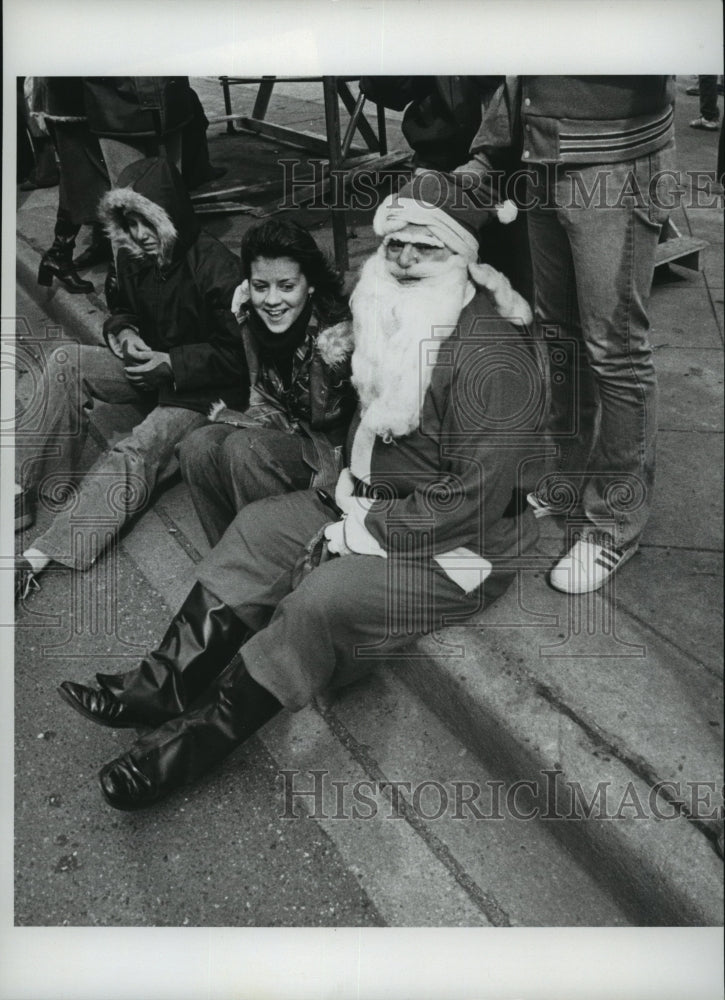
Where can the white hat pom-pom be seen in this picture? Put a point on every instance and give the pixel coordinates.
(506, 212)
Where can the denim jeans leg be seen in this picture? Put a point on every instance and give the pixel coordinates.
(200, 461)
(227, 468)
(574, 396)
(613, 249)
(118, 486)
(51, 430)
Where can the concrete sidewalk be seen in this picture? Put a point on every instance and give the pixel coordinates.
(611, 704)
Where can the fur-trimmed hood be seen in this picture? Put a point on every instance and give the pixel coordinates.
(153, 188)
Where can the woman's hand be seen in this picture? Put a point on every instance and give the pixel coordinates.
(240, 299)
(150, 369)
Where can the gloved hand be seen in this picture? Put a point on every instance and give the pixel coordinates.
(133, 347)
(150, 369)
(335, 535)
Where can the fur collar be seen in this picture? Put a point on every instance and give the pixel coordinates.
(112, 212)
(335, 343)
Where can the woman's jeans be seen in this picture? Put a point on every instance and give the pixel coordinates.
(50, 437)
(594, 232)
(227, 468)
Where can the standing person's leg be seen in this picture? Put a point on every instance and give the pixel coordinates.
(574, 396)
(57, 261)
(119, 153)
(708, 98)
(227, 468)
(85, 182)
(118, 486)
(613, 249)
(170, 147)
(709, 112)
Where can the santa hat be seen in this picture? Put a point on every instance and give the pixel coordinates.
(452, 212)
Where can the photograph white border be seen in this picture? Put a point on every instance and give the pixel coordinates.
(309, 37)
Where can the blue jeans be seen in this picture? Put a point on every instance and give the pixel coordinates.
(227, 468)
(50, 439)
(593, 253)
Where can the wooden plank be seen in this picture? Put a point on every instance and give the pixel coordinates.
(332, 127)
(264, 95)
(368, 164)
(355, 110)
(228, 208)
(243, 190)
(682, 250)
(313, 142)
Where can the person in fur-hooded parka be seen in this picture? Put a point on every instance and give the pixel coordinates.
(178, 300)
(175, 347)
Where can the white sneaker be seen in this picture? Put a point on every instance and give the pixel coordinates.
(587, 566)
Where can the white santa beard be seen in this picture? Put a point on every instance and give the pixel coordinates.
(398, 331)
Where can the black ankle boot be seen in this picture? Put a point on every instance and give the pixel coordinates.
(57, 262)
(183, 749)
(98, 250)
(202, 638)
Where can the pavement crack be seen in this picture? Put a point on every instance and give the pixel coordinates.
(483, 900)
(636, 763)
(178, 534)
(643, 623)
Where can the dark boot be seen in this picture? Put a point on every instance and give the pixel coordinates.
(110, 286)
(57, 262)
(98, 250)
(202, 638)
(183, 749)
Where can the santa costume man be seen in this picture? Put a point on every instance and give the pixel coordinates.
(426, 525)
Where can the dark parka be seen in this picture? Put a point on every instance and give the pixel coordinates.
(179, 301)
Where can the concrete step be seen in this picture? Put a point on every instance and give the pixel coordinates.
(483, 866)
(534, 706)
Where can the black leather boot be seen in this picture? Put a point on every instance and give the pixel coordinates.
(57, 262)
(183, 749)
(202, 638)
(98, 250)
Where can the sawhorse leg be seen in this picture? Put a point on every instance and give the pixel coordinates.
(339, 215)
(224, 80)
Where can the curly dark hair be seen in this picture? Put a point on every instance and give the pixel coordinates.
(283, 238)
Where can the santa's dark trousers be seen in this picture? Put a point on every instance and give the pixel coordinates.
(328, 629)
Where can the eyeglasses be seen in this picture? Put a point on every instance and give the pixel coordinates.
(421, 250)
